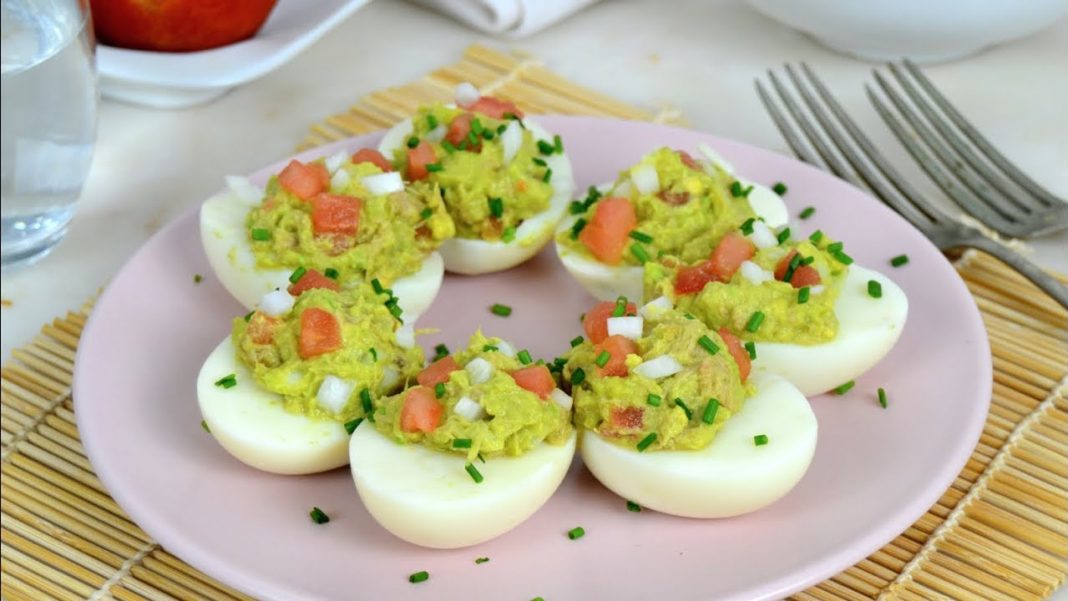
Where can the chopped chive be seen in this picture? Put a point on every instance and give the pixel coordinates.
(412, 142)
(760, 440)
(431, 121)
(374, 353)
(524, 357)
(474, 473)
(844, 388)
(815, 237)
(509, 234)
(632, 506)
(496, 207)
(899, 260)
(350, 427)
(654, 399)
(418, 577)
(842, 258)
(377, 286)
(448, 146)
(639, 252)
(882, 398)
(396, 311)
(540, 162)
(808, 260)
(791, 267)
(558, 144)
(750, 347)
(197, 278)
(365, 401)
(641, 236)
(577, 340)
(433, 167)
(501, 310)
(227, 381)
(440, 351)
(603, 358)
(807, 212)
(471, 140)
(260, 234)
(645, 442)
(779, 188)
(439, 389)
(481, 560)
(875, 289)
(747, 226)
(488, 348)
(487, 134)
(577, 376)
(803, 294)
(318, 516)
(249, 315)
(576, 533)
(501, 128)
(685, 408)
(577, 207)
(577, 228)
(476, 126)
(783, 236)
(204, 424)
(621, 306)
(755, 320)
(481, 458)
(736, 189)
(689, 316)
(461, 443)
(711, 409)
(548, 175)
(297, 274)
(545, 147)
(707, 344)
(834, 247)
(331, 273)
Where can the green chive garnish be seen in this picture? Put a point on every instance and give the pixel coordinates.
(474, 473)
(603, 358)
(834, 247)
(227, 381)
(297, 274)
(791, 267)
(807, 212)
(558, 144)
(377, 286)
(621, 307)
(476, 126)
(482, 560)
(540, 162)
(803, 294)
(496, 207)
(197, 278)
(750, 347)
(331, 273)
(685, 408)
(755, 320)
(471, 140)
(374, 353)
(418, 577)
(318, 516)
(501, 310)
(736, 189)
(524, 357)
(548, 175)
(431, 121)
(488, 348)
(632, 506)
(641, 236)
(654, 399)
(440, 351)
(481, 458)
(395, 311)
(412, 142)
(779, 188)
(844, 388)
(461, 443)
(365, 401)
(645, 442)
(448, 146)
(816, 237)
(439, 389)
(487, 134)
(747, 226)
(509, 234)
(577, 340)
(707, 344)
(842, 258)
(501, 128)
(576, 229)
(760, 440)
(204, 424)
(545, 147)
(882, 398)
(875, 289)
(639, 252)
(899, 260)
(577, 207)
(577, 376)
(249, 315)
(711, 409)
(784, 235)
(350, 427)
(261, 234)
(576, 532)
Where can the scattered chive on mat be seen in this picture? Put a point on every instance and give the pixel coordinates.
(1000, 531)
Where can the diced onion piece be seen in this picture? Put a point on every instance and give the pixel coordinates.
(466, 94)
(714, 158)
(339, 181)
(381, 184)
(755, 273)
(762, 235)
(436, 135)
(628, 327)
(506, 347)
(244, 190)
(335, 161)
(511, 140)
(334, 392)
(390, 378)
(654, 308)
(276, 302)
(661, 367)
(479, 370)
(645, 179)
(818, 288)
(469, 409)
(405, 335)
(562, 398)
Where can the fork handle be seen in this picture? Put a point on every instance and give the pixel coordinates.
(1026, 268)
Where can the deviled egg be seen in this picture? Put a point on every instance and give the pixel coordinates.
(505, 180)
(349, 217)
(474, 449)
(280, 392)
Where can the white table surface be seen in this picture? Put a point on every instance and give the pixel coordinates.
(701, 57)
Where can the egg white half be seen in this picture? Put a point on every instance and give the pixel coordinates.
(867, 329)
(426, 497)
(472, 256)
(253, 426)
(729, 477)
(225, 239)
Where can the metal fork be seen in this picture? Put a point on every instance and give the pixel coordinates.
(864, 164)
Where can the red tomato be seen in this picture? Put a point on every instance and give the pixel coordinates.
(320, 333)
(418, 158)
(459, 128)
(438, 371)
(606, 233)
(535, 378)
(335, 214)
(741, 356)
(693, 279)
(370, 155)
(304, 180)
(596, 320)
(618, 347)
(732, 250)
(804, 275)
(688, 160)
(312, 279)
(421, 411)
(495, 108)
(261, 328)
(627, 418)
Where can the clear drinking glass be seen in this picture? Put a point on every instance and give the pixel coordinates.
(50, 97)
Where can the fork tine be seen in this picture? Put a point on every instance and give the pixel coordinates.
(801, 150)
(982, 206)
(979, 140)
(903, 199)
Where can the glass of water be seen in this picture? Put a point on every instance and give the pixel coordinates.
(49, 122)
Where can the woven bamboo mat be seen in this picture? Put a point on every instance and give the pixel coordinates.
(999, 532)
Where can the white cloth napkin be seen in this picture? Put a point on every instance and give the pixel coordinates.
(511, 18)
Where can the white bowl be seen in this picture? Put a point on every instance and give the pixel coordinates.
(922, 30)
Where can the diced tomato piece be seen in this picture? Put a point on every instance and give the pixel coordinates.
(304, 179)
(688, 160)
(741, 356)
(606, 233)
(421, 411)
(320, 333)
(536, 378)
(627, 418)
(438, 371)
(370, 155)
(804, 275)
(596, 320)
(732, 250)
(690, 280)
(261, 328)
(335, 214)
(459, 128)
(494, 107)
(418, 158)
(312, 279)
(673, 198)
(618, 347)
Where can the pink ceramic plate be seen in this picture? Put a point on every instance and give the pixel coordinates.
(875, 471)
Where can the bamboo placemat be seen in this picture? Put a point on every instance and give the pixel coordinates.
(999, 532)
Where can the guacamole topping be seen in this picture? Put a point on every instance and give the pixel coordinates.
(367, 356)
(685, 217)
(487, 197)
(395, 232)
(628, 409)
(513, 420)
